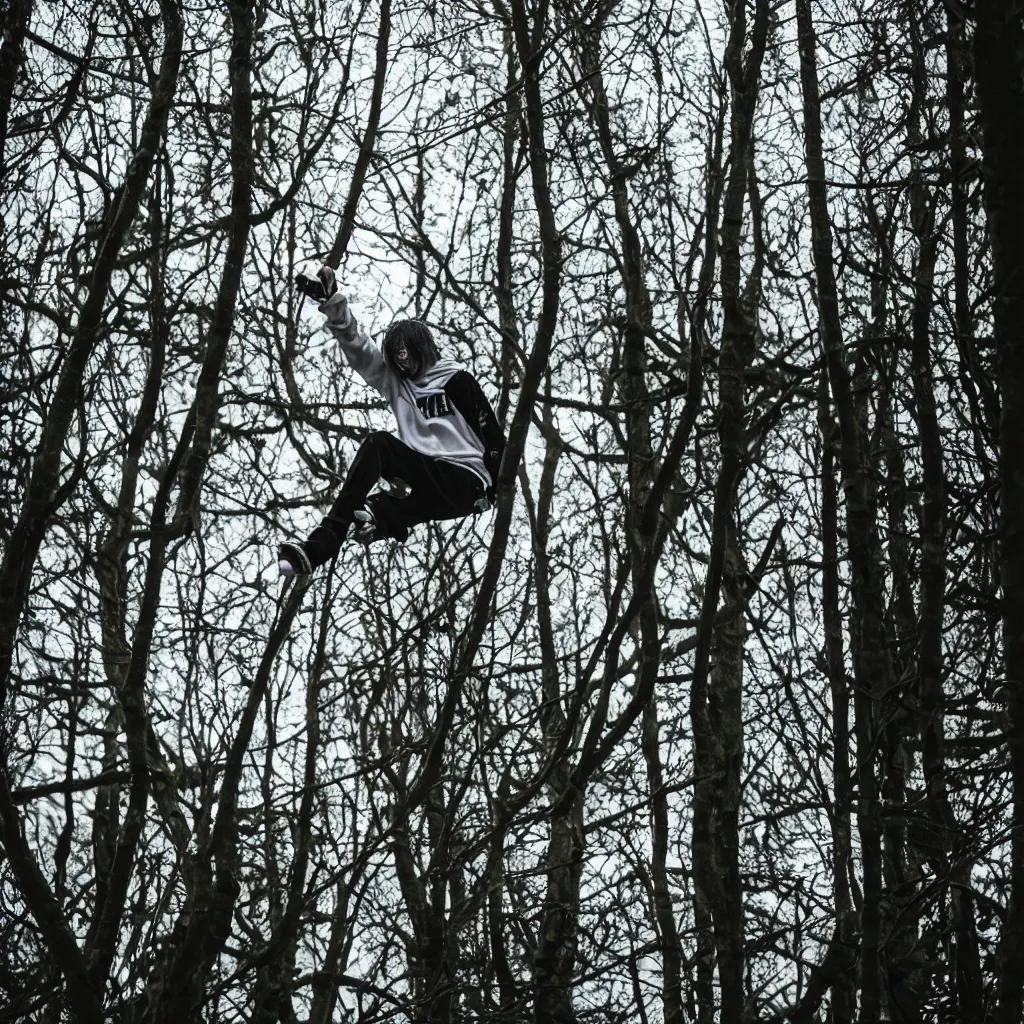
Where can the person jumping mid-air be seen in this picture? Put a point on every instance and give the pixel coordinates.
(444, 463)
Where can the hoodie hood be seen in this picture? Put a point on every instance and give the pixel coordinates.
(437, 375)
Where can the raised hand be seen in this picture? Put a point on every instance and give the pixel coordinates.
(319, 288)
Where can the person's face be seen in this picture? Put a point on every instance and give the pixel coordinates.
(403, 359)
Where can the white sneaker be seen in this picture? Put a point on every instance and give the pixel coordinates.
(293, 560)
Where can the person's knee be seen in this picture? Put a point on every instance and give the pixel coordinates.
(379, 439)
(372, 444)
(383, 450)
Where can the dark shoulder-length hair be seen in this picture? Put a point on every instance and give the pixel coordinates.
(418, 341)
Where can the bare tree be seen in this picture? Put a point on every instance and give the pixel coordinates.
(699, 723)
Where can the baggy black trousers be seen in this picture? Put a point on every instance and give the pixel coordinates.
(438, 490)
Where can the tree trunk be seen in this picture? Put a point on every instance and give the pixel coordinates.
(664, 913)
(13, 23)
(843, 998)
(555, 957)
(868, 635)
(716, 709)
(999, 67)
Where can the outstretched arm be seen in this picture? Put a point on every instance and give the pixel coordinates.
(465, 394)
(363, 356)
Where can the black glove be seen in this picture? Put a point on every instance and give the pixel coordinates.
(319, 288)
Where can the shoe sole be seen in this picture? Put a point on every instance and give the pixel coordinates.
(296, 557)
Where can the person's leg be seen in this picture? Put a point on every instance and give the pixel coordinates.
(377, 457)
(437, 490)
(434, 490)
(380, 456)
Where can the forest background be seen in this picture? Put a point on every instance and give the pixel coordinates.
(718, 715)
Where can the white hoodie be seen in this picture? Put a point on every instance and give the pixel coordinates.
(427, 421)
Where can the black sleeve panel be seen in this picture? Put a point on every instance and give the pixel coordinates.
(464, 393)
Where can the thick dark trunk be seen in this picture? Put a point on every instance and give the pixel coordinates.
(325, 979)
(999, 68)
(664, 914)
(725, 717)
(917, 635)
(13, 23)
(206, 405)
(511, 143)
(868, 645)
(430, 965)
(716, 696)
(555, 958)
(843, 994)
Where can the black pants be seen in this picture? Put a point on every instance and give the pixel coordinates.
(438, 490)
